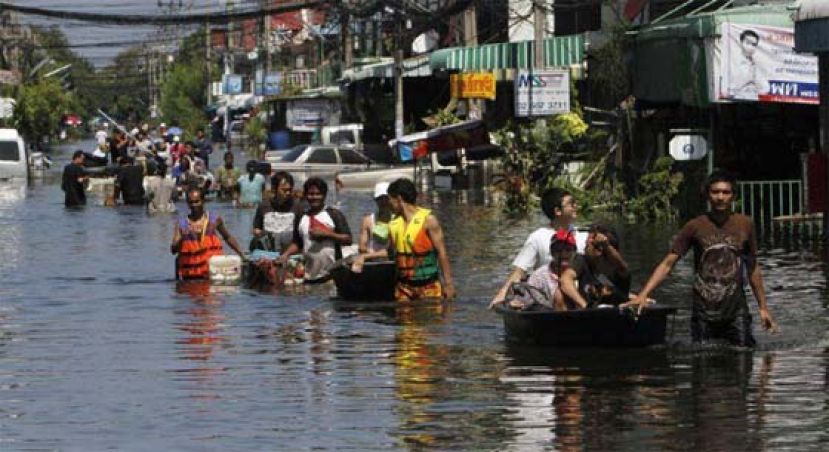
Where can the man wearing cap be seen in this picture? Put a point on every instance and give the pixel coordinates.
(374, 230)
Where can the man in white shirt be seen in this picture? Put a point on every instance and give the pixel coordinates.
(560, 208)
(101, 135)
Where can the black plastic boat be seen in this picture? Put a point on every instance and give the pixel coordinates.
(375, 283)
(596, 327)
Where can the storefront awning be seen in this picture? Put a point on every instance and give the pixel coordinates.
(412, 67)
(558, 51)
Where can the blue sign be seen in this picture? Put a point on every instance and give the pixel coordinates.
(232, 84)
(406, 153)
(271, 86)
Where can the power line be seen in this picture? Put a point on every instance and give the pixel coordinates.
(145, 19)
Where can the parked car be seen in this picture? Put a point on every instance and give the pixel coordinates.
(309, 160)
(237, 132)
(13, 160)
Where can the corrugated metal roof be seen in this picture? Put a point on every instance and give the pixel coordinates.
(558, 51)
(812, 9)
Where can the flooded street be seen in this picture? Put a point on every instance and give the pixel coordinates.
(100, 349)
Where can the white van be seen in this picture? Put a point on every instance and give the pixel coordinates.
(13, 161)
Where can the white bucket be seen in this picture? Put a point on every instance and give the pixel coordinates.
(225, 269)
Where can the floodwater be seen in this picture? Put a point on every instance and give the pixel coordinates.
(100, 349)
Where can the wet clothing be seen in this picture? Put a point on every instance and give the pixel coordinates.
(408, 292)
(203, 149)
(73, 190)
(725, 252)
(117, 149)
(278, 221)
(197, 247)
(536, 250)
(593, 282)
(414, 252)
(250, 191)
(226, 179)
(130, 180)
(379, 238)
(159, 192)
(320, 255)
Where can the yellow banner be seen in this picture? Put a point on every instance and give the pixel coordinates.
(472, 85)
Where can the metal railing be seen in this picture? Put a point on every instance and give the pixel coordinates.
(775, 205)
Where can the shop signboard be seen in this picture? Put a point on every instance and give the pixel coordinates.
(309, 115)
(758, 63)
(542, 92)
(472, 85)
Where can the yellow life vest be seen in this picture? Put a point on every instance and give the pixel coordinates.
(414, 251)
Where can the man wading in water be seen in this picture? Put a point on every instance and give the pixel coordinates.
(195, 240)
(725, 251)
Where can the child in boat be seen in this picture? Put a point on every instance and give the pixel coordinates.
(542, 287)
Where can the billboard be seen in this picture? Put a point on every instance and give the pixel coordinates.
(758, 63)
(542, 93)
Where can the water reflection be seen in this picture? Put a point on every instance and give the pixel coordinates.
(419, 369)
(202, 323)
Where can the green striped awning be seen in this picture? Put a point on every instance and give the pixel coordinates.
(558, 51)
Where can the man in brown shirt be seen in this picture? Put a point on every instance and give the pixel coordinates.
(725, 253)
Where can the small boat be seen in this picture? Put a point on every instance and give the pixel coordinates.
(597, 327)
(375, 283)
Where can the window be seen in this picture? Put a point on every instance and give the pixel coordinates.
(9, 151)
(323, 155)
(294, 153)
(350, 156)
(342, 137)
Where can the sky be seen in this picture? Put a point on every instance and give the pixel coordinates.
(86, 32)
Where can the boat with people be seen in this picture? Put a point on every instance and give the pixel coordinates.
(609, 326)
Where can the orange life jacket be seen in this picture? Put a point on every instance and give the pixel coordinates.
(197, 247)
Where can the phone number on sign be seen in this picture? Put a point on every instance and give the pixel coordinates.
(544, 105)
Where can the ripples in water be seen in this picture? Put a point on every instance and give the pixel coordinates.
(100, 348)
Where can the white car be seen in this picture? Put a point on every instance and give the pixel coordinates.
(317, 160)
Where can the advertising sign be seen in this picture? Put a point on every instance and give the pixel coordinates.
(542, 93)
(310, 114)
(758, 63)
(232, 84)
(472, 85)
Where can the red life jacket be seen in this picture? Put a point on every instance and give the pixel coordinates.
(197, 247)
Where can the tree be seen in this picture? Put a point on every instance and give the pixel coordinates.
(39, 109)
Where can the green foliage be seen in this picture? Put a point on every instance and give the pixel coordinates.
(256, 132)
(39, 108)
(183, 97)
(534, 155)
(85, 95)
(657, 191)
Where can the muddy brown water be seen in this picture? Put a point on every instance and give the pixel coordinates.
(101, 349)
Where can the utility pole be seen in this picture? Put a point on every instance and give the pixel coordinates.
(208, 66)
(398, 79)
(267, 40)
(345, 32)
(475, 107)
(539, 30)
